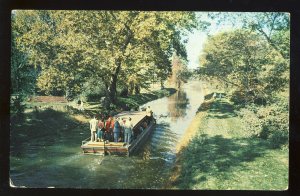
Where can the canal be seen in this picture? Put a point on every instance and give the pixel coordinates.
(58, 162)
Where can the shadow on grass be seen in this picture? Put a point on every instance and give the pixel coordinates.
(221, 109)
(216, 156)
(38, 125)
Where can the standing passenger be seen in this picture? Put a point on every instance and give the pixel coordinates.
(149, 114)
(128, 131)
(111, 128)
(123, 122)
(116, 130)
(107, 129)
(93, 127)
(100, 130)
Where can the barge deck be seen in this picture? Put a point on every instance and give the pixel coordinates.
(121, 148)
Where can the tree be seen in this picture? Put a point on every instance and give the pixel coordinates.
(69, 46)
(46, 48)
(149, 39)
(247, 62)
(23, 74)
(180, 72)
(274, 27)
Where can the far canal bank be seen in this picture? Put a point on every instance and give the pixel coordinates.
(90, 108)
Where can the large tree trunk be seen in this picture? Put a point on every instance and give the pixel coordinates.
(178, 84)
(131, 88)
(137, 89)
(112, 89)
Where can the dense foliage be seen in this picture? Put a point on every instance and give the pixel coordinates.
(267, 122)
(245, 61)
(253, 62)
(129, 49)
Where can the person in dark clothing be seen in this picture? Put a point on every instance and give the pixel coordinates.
(117, 130)
(108, 134)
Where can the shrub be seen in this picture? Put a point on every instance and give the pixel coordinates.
(239, 98)
(94, 96)
(242, 98)
(252, 123)
(17, 106)
(267, 122)
(279, 139)
(276, 126)
(93, 90)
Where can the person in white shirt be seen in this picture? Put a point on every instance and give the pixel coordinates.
(81, 106)
(149, 114)
(128, 131)
(93, 128)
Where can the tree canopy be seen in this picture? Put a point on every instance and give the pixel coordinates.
(253, 59)
(126, 48)
(180, 73)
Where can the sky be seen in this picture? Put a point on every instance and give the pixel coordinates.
(194, 48)
(197, 38)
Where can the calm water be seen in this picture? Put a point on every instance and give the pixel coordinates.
(59, 162)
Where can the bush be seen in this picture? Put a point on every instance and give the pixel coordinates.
(93, 90)
(279, 139)
(252, 123)
(239, 98)
(94, 96)
(267, 122)
(242, 98)
(275, 127)
(17, 106)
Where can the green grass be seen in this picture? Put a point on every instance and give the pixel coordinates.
(220, 157)
(38, 124)
(140, 99)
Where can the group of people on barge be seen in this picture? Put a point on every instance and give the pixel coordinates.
(114, 129)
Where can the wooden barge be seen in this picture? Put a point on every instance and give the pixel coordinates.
(121, 148)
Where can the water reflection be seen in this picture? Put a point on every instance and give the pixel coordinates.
(177, 105)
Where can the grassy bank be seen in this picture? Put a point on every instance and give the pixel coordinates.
(45, 123)
(134, 101)
(220, 156)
